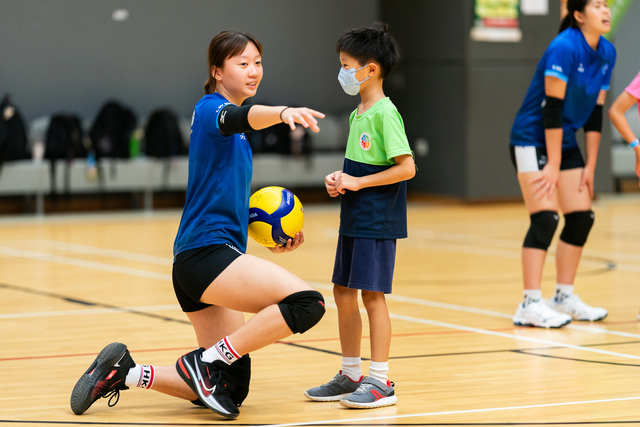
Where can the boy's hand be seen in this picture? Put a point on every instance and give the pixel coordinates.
(346, 182)
(330, 183)
(292, 244)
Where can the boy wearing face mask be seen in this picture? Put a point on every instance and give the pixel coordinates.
(373, 214)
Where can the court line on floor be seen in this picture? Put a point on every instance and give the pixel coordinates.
(434, 235)
(143, 309)
(509, 244)
(497, 334)
(166, 277)
(465, 411)
(58, 259)
(105, 252)
(473, 310)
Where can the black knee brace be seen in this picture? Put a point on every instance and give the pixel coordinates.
(541, 231)
(237, 378)
(576, 227)
(302, 310)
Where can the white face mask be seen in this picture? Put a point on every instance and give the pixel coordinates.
(348, 81)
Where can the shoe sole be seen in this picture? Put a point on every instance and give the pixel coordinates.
(188, 375)
(592, 320)
(385, 401)
(336, 398)
(81, 395)
(517, 323)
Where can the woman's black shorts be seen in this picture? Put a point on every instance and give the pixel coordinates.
(533, 159)
(195, 269)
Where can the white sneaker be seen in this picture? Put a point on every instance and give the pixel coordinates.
(540, 315)
(574, 307)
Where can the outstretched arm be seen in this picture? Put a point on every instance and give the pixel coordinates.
(233, 119)
(262, 116)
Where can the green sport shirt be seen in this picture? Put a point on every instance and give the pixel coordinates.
(377, 135)
(375, 138)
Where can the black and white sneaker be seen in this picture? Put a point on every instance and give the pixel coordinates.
(104, 378)
(207, 380)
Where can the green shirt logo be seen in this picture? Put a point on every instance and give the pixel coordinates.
(365, 141)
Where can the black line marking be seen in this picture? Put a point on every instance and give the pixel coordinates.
(292, 344)
(186, 322)
(89, 303)
(574, 359)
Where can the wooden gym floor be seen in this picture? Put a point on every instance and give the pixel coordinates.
(71, 284)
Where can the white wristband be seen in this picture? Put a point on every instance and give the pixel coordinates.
(634, 143)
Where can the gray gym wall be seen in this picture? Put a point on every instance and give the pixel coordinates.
(69, 55)
(462, 96)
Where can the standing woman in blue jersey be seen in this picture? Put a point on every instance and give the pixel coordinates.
(214, 280)
(567, 93)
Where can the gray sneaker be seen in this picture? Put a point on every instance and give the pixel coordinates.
(371, 394)
(340, 386)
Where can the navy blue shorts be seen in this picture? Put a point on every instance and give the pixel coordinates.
(195, 269)
(365, 264)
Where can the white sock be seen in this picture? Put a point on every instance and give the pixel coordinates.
(352, 368)
(563, 291)
(378, 371)
(222, 351)
(531, 295)
(141, 376)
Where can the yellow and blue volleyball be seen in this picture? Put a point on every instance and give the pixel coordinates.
(275, 216)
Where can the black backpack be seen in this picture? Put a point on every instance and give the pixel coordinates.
(64, 140)
(162, 136)
(111, 131)
(13, 133)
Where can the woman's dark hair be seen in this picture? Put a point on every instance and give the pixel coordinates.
(226, 45)
(371, 44)
(570, 19)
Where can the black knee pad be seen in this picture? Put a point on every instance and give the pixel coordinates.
(302, 310)
(543, 227)
(237, 379)
(576, 227)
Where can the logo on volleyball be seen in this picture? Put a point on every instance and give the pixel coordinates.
(365, 141)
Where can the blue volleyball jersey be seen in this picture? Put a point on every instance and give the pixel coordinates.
(586, 71)
(220, 168)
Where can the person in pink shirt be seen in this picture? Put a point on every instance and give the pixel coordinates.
(630, 96)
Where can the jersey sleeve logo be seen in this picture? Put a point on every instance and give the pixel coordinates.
(365, 141)
(605, 68)
(556, 68)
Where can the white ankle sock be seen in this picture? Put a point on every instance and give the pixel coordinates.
(141, 376)
(352, 368)
(222, 351)
(531, 295)
(378, 371)
(563, 291)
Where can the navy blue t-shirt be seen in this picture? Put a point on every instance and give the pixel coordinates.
(586, 71)
(378, 212)
(220, 168)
